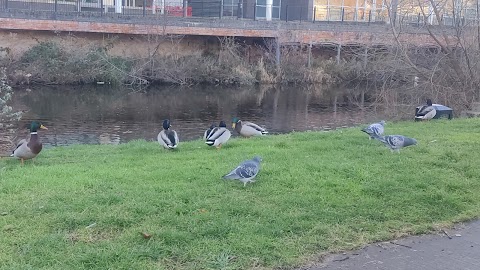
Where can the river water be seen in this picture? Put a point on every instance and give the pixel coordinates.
(109, 115)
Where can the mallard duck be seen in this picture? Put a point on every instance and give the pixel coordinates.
(426, 112)
(28, 149)
(247, 129)
(208, 132)
(167, 137)
(374, 129)
(219, 135)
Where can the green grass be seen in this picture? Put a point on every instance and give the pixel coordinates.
(317, 192)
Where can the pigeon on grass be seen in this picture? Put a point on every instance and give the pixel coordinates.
(374, 129)
(396, 142)
(246, 171)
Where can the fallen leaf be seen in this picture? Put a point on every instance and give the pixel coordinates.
(146, 235)
(8, 228)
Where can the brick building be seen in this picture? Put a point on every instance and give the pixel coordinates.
(306, 10)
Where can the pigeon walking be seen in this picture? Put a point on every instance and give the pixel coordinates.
(396, 142)
(246, 171)
(374, 129)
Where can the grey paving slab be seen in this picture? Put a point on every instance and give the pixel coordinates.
(460, 250)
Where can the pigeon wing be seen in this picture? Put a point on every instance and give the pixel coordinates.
(393, 142)
(376, 129)
(247, 169)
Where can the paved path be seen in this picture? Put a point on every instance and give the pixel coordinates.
(460, 250)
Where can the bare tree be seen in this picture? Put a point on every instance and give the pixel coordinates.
(451, 70)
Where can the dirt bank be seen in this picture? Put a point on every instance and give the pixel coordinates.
(18, 42)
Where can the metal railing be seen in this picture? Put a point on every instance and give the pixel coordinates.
(349, 14)
(177, 8)
(98, 7)
(154, 9)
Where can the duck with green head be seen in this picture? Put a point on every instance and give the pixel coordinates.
(168, 137)
(247, 129)
(28, 149)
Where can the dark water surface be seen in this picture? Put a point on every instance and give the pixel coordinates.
(108, 115)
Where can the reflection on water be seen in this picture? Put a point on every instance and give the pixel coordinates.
(103, 115)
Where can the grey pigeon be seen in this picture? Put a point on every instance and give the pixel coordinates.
(396, 142)
(374, 129)
(246, 171)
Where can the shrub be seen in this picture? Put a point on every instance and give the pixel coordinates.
(7, 115)
(52, 63)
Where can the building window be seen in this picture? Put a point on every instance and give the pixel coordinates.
(230, 8)
(268, 9)
(349, 10)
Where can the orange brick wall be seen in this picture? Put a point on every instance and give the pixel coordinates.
(117, 28)
(374, 35)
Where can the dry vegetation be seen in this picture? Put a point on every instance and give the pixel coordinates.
(8, 116)
(58, 63)
(447, 71)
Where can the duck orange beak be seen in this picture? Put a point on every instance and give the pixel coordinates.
(43, 127)
(233, 125)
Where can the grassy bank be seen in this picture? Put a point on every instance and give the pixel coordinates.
(85, 207)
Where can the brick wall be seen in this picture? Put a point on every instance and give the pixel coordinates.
(346, 34)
